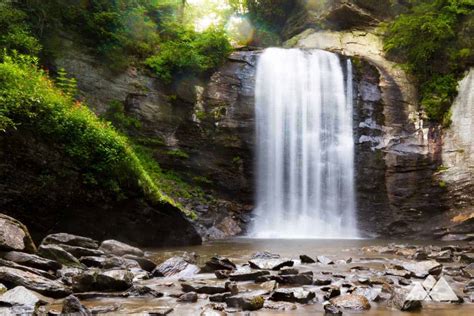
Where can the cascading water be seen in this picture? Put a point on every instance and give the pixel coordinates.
(305, 147)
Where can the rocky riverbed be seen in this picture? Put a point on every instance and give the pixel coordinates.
(69, 274)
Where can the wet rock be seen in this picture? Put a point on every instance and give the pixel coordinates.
(293, 295)
(56, 253)
(177, 267)
(325, 260)
(114, 262)
(145, 264)
(220, 297)
(218, 263)
(322, 281)
(247, 276)
(231, 287)
(14, 235)
(92, 261)
(104, 281)
(404, 282)
(246, 301)
(331, 291)
(270, 264)
(467, 258)
(469, 270)
(72, 305)
(203, 288)
(21, 301)
(398, 272)
(11, 264)
(212, 312)
(401, 300)
(305, 278)
(3, 288)
(352, 302)
(306, 259)
(67, 273)
(189, 297)
(78, 252)
(265, 255)
(287, 271)
(420, 255)
(34, 282)
(33, 261)
(469, 287)
(118, 248)
(442, 256)
(143, 291)
(371, 293)
(71, 240)
(422, 269)
(222, 274)
(331, 309)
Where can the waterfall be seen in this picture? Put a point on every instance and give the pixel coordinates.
(305, 147)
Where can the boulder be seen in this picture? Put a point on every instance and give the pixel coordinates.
(78, 252)
(331, 291)
(331, 309)
(401, 300)
(114, 280)
(189, 297)
(72, 306)
(270, 264)
(352, 302)
(247, 276)
(14, 235)
(22, 301)
(222, 274)
(3, 288)
(67, 273)
(422, 269)
(246, 301)
(143, 291)
(220, 297)
(287, 271)
(293, 295)
(56, 253)
(325, 260)
(203, 288)
(176, 267)
(14, 265)
(371, 293)
(306, 259)
(145, 264)
(15, 277)
(218, 263)
(265, 255)
(305, 278)
(71, 240)
(31, 260)
(118, 248)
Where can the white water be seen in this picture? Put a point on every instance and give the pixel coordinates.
(305, 147)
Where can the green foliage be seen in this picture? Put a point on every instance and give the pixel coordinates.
(104, 158)
(178, 154)
(189, 52)
(433, 47)
(15, 32)
(119, 118)
(67, 84)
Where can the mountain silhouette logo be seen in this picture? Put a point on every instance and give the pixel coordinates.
(432, 290)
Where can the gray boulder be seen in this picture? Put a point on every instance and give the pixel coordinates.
(293, 295)
(114, 280)
(118, 248)
(71, 240)
(247, 301)
(31, 260)
(270, 264)
(72, 306)
(33, 282)
(14, 235)
(22, 301)
(351, 302)
(176, 267)
(56, 253)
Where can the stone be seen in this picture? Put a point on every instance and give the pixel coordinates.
(398, 272)
(247, 276)
(92, 261)
(231, 287)
(401, 300)
(203, 288)
(143, 291)
(467, 258)
(305, 278)
(331, 291)
(145, 264)
(118, 248)
(115, 262)
(189, 297)
(442, 256)
(306, 259)
(420, 255)
(222, 274)
(246, 301)
(351, 302)
(72, 305)
(422, 269)
(31, 260)
(71, 240)
(34, 282)
(265, 255)
(286, 271)
(3, 288)
(325, 260)
(220, 297)
(218, 263)
(293, 295)
(114, 280)
(469, 269)
(78, 252)
(67, 273)
(371, 293)
(11, 264)
(322, 281)
(270, 264)
(22, 301)
(177, 267)
(331, 309)
(14, 235)
(56, 253)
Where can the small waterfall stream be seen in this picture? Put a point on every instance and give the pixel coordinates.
(305, 147)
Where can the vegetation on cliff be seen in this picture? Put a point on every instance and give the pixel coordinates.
(435, 42)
